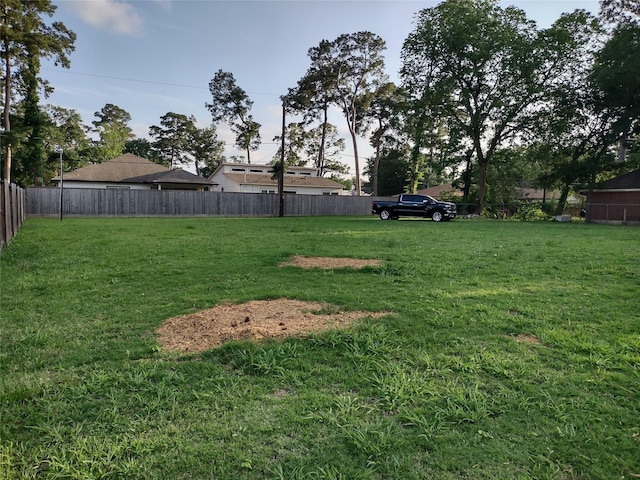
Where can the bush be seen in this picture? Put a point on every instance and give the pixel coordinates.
(531, 212)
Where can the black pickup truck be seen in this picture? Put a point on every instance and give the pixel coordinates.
(412, 205)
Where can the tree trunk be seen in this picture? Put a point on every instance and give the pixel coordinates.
(622, 145)
(482, 186)
(323, 137)
(467, 177)
(356, 161)
(376, 164)
(351, 123)
(562, 201)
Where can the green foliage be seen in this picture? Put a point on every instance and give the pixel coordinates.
(26, 40)
(530, 212)
(616, 73)
(393, 172)
(172, 138)
(206, 150)
(112, 126)
(482, 75)
(511, 350)
(344, 73)
(231, 104)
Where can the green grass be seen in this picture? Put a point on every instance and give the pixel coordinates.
(441, 389)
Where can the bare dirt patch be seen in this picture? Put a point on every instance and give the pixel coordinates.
(329, 262)
(255, 320)
(530, 339)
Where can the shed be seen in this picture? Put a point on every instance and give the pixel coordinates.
(616, 200)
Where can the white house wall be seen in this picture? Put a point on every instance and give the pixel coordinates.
(248, 172)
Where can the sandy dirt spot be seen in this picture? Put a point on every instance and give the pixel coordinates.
(255, 320)
(530, 339)
(261, 319)
(329, 262)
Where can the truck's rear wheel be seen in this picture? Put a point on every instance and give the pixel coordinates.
(385, 214)
(437, 216)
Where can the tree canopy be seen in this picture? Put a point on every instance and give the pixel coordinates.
(487, 70)
(232, 105)
(25, 39)
(112, 125)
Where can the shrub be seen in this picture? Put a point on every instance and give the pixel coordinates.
(531, 212)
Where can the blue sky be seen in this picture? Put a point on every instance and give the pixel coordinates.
(151, 57)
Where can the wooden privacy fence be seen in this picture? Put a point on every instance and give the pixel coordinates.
(12, 211)
(45, 201)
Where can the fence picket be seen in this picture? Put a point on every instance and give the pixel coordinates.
(12, 211)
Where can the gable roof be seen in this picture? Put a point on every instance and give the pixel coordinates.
(626, 181)
(171, 176)
(289, 180)
(129, 168)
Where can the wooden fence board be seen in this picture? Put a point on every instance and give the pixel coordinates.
(12, 211)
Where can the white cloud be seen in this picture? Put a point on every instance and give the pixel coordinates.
(111, 15)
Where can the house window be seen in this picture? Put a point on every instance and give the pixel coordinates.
(267, 191)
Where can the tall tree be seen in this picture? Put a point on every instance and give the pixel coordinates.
(487, 69)
(315, 93)
(34, 120)
(381, 117)
(358, 66)
(616, 74)
(25, 38)
(232, 105)
(575, 132)
(172, 137)
(112, 126)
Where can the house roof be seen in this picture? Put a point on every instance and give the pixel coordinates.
(626, 181)
(129, 168)
(171, 176)
(289, 180)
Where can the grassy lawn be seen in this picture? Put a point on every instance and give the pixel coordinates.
(513, 351)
